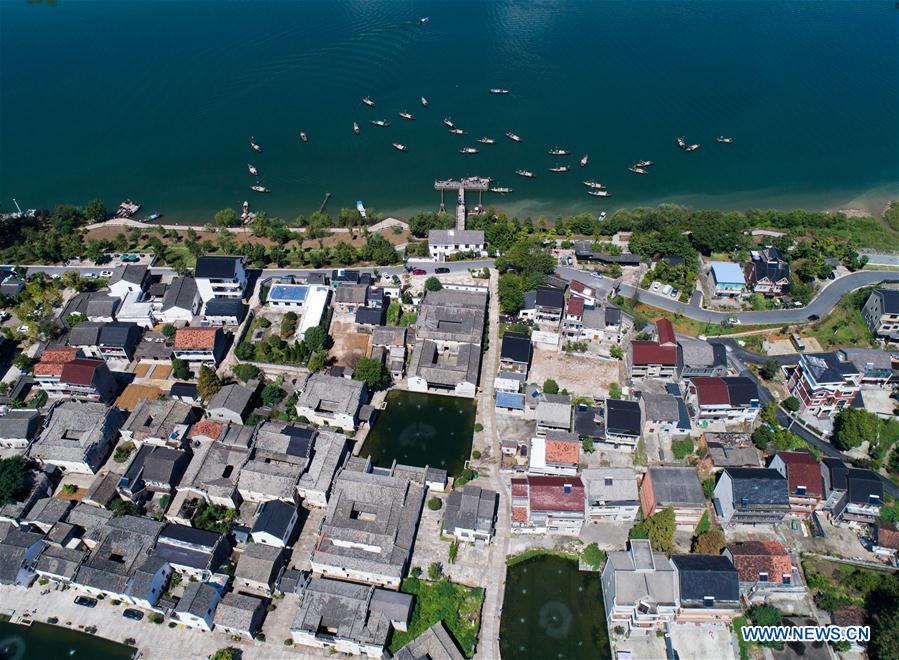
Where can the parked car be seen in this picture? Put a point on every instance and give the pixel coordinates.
(441, 270)
(814, 317)
(419, 271)
(134, 615)
(570, 260)
(656, 286)
(85, 601)
(106, 273)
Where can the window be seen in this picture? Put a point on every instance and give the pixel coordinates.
(874, 499)
(708, 601)
(786, 578)
(744, 501)
(800, 490)
(607, 481)
(763, 577)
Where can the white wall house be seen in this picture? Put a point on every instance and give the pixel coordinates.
(444, 242)
(220, 277)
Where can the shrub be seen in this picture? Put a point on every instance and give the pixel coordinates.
(434, 504)
(476, 454)
(478, 427)
(791, 404)
(593, 556)
(682, 448)
(288, 642)
(415, 572)
(710, 543)
(453, 551)
(435, 571)
(245, 372)
(156, 618)
(122, 452)
(70, 489)
(550, 386)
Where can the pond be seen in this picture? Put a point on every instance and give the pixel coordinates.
(422, 429)
(41, 640)
(553, 610)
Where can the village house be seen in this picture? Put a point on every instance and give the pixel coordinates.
(274, 523)
(196, 608)
(515, 353)
(435, 643)
(824, 384)
(331, 401)
(164, 423)
(666, 414)
(180, 302)
(220, 452)
(199, 346)
(881, 313)
(259, 568)
(674, 487)
(639, 587)
(696, 357)
(128, 278)
(240, 615)
(78, 436)
(584, 292)
(612, 494)
(106, 341)
(232, 403)
(623, 423)
(470, 514)
(763, 567)
(19, 552)
(727, 279)
(18, 428)
(731, 399)
(886, 539)
(751, 496)
(197, 552)
(224, 311)
(280, 455)
(547, 504)
(153, 469)
(349, 618)
(369, 528)
(852, 494)
(220, 277)
(766, 272)
(557, 452)
(445, 242)
(729, 450)
(553, 413)
(708, 589)
(655, 359)
(550, 302)
(803, 474)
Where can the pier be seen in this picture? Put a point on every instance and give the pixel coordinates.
(473, 183)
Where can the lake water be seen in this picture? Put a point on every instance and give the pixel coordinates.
(553, 610)
(40, 640)
(422, 429)
(157, 100)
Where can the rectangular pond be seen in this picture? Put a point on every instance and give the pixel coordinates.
(553, 610)
(422, 429)
(41, 640)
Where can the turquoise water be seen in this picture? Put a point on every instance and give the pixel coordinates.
(156, 100)
(41, 641)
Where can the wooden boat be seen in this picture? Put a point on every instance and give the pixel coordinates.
(367, 101)
(260, 189)
(513, 137)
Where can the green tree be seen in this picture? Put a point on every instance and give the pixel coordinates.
(434, 504)
(766, 615)
(435, 571)
(95, 211)
(550, 386)
(433, 284)
(315, 338)
(853, 426)
(593, 556)
(770, 370)
(12, 478)
(168, 330)
(511, 293)
(710, 543)
(120, 507)
(660, 529)
(614, 391)
(884, 643)
(394, 311)
(226, 218)
(208, 383)
(616, 352)
(791, 403)
(244, 372)
(226, 653)
(180, 370)
(272, 395)
(373, 372)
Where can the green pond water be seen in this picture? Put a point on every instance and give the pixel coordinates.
(40, 641)
(422, 429)
(553, 610)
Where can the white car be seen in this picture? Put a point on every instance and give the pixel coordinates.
(106, 273)
(22, 328)
(656, 286)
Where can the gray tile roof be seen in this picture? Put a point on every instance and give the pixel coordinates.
(131, 273)
(759, 486)
(19, 424)
(153, 418)
(435, 643)
(77, 431)
(48, 511)
(351, 294)
(337, 395)
(471, 508)
(260, 563)
(274, 517)
(448, 368)
(642, 575)
(234, 398)
(13, 549)
(180, 294)
(454, 316)
(126, 543)
(455, 237)
(610, 486)
(674, 485)
(327, 450)
(660, 407)
(239, 611)
(198, 598)
(63, 562)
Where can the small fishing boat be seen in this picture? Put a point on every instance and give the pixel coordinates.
(513, 137)
(252, 169)
(361, 208)
(599, 193)
(448, 122)
(682, 142)
(154, 216)
(304, 137)
(525, 173)
(555, 151)
(585, 160)
(498, 90)
(424, 102)
(644, 163)
(559, 168)
(594, 184)
(423, 20)
(601, 216)
(486, 140)
(457, 131)
(356, 128)
(501, 190)
(367, 101)
(379, 122)
(260, 189)
(407, 115)
(253, 145)
(400, 147)
(692, 147)
(724, 139)
(638, 170)
(468, 150)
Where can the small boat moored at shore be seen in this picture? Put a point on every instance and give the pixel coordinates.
(127, 208)
(367, 101)
(406, 115)
(260, 189)
(400, 147)
(599, 193)
(525, 173)
(513, 137)
(468, 150)
(723, 139)
(154, 216)
(379, 122)
(424, 102)
(555, 151)
(559, 168)
(361, 208)
(356, 128)
(585, 160)
(498, 90)
(253, 145)
(594, 184)
(304, 137)
(638, 170)
(501, 190)
(486, 140)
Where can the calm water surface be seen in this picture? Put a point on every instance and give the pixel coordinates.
(42, 641)
(157, 99)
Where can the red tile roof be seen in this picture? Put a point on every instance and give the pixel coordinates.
(753, 557)
(207, 428)
(711, 391)
(580, 287)
(80, 371)
(649, 352)
(887, 535)
(803, 469)
(48, 369)
(519, 487)
(562, 451)
(60, 354)
(665, 331)
(548, 494)
(519, 514)
(188, 338)
(575, 306)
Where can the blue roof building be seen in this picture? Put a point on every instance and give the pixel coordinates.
(510, 400)
(727, 278)
(288, 296)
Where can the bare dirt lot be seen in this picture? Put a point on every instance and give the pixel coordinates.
(576, 373)
(349, 345)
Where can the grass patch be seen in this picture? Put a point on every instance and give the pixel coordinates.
(689, 326)
(682, 448)
(458, 606)
(539, 552)
(739, 622)
(844, 324)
